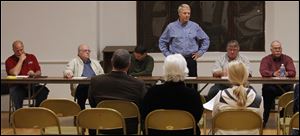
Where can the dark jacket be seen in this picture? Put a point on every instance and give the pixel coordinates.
(116, 85)
(173, 95)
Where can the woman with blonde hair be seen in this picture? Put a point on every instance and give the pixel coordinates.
(239, 96)
(173, 94)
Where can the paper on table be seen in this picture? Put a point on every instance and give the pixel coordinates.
(22, 76)
(224, 77)
(190, 77)
(79, 77)
(11, 77)
(279, 77)
(210, 104)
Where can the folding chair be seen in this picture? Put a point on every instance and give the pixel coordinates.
(35, 117)
(170, 120)
(294, 123)
(129, 111)
(31, 100)
(283, 100)
(202, 122)
(287, 115)
(237, 119)
(62, 108)
(100, 119)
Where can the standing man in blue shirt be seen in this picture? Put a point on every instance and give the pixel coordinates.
(186, 38)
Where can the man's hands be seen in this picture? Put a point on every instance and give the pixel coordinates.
(31, 73)
(195, 56)
(69, 75)
(22, 57)
(221, 73)
(34, 74)
(277, 73)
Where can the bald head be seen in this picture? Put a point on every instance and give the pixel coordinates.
(18, 48)
(276, 48)
(84, 52)
(274, 43)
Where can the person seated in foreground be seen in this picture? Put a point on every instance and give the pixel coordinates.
(117, 85)
(239, 96)
(173, 94)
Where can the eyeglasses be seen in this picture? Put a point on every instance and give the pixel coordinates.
(276, 48)
(232, 49)
(86, 50)
(19, 50)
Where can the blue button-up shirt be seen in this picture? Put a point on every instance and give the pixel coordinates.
(183, 39)
(87, 70)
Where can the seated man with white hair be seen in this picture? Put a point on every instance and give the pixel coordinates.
(173, 94)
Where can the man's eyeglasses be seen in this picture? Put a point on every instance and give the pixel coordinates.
(86, 50)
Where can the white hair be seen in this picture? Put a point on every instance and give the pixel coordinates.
(175, 68)
(182, 6)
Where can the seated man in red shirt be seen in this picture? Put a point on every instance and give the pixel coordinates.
(269, 67)
(22, 63)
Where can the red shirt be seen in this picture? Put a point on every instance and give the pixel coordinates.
(30, 63)
(269, 65)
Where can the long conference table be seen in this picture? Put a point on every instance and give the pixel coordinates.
(150, 80)
(147, 80)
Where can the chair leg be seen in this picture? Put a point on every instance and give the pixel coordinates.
(204, 123)
(11, 109)
(75, 120)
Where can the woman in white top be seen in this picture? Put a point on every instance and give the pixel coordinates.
(237, 97)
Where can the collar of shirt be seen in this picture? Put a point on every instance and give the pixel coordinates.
(236, 58)
(182, 25)
(87, 62)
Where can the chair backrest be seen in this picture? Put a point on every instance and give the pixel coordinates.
(100, 119)
(202, 122)
(237, 119)
(288, 110)
(294, 123)
(166, 119)
(129, 110)
(61, 107)
(284, 99)
(287, 115)
(34, 117)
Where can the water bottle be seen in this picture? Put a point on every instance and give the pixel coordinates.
(282, 71)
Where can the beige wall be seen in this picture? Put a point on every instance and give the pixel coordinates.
(53, 30)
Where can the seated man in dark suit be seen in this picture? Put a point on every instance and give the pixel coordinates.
(117, 84)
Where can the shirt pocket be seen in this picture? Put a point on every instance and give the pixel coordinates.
(192, 35)
(178, 38)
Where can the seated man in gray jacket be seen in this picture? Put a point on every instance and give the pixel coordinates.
(82, 66)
